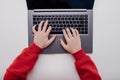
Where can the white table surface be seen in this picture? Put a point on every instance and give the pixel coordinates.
(106, 42)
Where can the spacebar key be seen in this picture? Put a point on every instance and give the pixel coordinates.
(56, 32)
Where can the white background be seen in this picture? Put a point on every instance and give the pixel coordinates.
(106, 45)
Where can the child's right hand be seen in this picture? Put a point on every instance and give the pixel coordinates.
(73, 40)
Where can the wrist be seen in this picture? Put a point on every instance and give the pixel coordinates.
(34, 48)
(38, 44)
(75, 51)
(79, 54)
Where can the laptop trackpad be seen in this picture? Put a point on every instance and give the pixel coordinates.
(55, 47)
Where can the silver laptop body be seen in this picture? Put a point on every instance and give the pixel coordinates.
(68, 17)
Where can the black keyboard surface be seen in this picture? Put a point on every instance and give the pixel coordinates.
(59, 22)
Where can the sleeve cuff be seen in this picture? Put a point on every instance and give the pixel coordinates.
(34, 48)
(79, 54)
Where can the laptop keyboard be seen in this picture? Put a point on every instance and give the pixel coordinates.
(59, 22)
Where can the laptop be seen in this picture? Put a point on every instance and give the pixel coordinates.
(62, 14)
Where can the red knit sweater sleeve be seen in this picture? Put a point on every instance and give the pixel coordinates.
(85, 66)
(23, 63)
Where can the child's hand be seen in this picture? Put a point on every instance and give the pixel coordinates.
(73, 40)
(41, 36)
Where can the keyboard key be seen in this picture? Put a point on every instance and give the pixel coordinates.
(82, 22)
(86, 22)
(86, 16)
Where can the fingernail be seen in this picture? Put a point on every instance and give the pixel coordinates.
(67, 28)
(42, 21)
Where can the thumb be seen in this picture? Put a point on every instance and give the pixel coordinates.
(51, 39)
(63, 44)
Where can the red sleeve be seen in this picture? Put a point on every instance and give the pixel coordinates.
(23, 63)
(85, 66)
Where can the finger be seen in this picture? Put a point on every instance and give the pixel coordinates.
(63, 44)
(33, 29)
(77, 32)
(65, 35)
(73, 32)
(69, 33)
(51, 39)
(78, 35)
(48, 30)
(45, 26)
(40, 25)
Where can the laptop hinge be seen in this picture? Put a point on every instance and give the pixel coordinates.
(60, 10)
